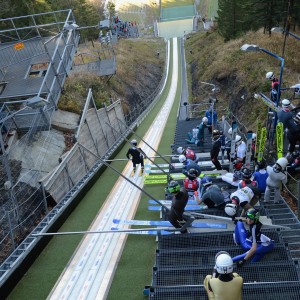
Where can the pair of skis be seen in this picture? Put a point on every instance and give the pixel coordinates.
(166, 224)
(261, 141)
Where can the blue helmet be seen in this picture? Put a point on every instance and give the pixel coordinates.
(206, 180)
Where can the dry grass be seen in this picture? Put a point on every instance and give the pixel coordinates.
(240, 73)
(139, 71)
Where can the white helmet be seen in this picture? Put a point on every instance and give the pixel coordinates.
(285, 103)
(270, 75)
(182, 158)
(230, 130)
(282, 162)
(204, 120)
(134, 142)
(180, 150)
(224, 263)
(238, 140)
(253, 136)
(230, 209)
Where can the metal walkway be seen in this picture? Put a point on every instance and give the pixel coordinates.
(183, 261)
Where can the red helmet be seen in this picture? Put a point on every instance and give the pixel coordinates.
(237, 165)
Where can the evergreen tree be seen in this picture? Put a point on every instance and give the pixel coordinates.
(230, 18)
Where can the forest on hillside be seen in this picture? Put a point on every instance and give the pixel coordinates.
(240, 16)
(86, 12)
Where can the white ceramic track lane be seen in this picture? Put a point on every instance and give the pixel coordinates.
(90, 271)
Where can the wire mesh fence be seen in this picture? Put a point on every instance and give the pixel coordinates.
(35, 192)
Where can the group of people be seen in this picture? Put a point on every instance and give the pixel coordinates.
(125, 28)
(240, 205)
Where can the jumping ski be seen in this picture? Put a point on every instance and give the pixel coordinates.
(168, 202)
(262, 143)
(248, 149)
(279, 139)
(258, 137)
(187, 208)
(167, 223)
(234, 129)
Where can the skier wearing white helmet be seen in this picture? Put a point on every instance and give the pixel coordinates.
(285, 114)
(224, 283)
(277, 175)
(241, 198)
(188, 153)
(274, 87)
(135, 155)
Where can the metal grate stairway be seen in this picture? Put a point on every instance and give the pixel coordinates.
(183, 261)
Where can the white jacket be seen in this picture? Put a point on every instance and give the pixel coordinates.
(245, 194)
(274, 178)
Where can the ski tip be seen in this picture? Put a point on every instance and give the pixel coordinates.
(116, 221)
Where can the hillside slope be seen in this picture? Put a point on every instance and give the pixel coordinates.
(239, 74)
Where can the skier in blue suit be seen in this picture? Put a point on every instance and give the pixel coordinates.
(253, 242)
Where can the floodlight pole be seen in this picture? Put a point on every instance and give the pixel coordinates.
(255, 48)
(286, 33)
(281, 71)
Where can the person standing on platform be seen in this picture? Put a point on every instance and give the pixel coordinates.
(216, 147)
(277, 176)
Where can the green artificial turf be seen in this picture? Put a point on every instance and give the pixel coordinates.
(42, 276)
(135, 267)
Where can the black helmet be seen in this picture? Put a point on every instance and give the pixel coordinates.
(193, 173)
(173, 187)
(253, 214)
(246, 173)
(261, 165)
(296, 154)
(216, 134)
